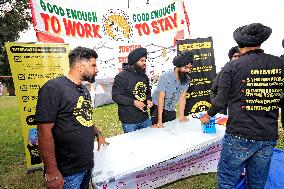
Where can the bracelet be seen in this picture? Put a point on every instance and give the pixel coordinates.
(51, 179)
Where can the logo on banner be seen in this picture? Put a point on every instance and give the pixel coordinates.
(117, 26)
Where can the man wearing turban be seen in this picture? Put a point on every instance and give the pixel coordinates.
(132, 93)
(172, 87)
(252, 86)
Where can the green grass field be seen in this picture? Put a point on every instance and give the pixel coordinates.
(12, 157)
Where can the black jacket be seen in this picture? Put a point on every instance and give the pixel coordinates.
(252, 86)
(282, 103)
(214, 90)
(127, 87)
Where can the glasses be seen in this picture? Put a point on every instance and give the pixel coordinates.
(83, 92)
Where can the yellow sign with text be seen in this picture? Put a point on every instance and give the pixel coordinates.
(32, 65)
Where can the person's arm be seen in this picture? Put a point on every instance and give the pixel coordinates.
(222, 96)
(214, 87)
(148, 92)
(220, 101)
(100, 139)
(148, 95)
(182, 101)
(47, 109)
(161, 101)
(119, 97)
(161, 88)
(53, 177)
(118, 92)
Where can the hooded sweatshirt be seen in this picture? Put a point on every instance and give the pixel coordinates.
(252, 86)
(129, 86)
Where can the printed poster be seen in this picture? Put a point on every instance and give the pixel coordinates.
(32, 65)
(202, 74)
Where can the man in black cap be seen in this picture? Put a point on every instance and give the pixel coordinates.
(132, 93)
(251, 85)
(233, 54)
(172, 87)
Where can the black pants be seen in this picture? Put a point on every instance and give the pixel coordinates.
(167, 115)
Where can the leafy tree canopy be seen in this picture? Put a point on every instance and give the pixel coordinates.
(15, 17)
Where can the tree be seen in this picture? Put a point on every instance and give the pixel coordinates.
(15, 17)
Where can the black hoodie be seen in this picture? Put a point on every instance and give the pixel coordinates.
(252, 86)
(129, 86)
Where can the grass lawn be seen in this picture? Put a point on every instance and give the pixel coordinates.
(12, 157)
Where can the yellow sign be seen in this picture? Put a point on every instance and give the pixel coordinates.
(32, 65)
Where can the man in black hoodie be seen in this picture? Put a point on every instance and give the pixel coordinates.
(132, 93)
(252, 86)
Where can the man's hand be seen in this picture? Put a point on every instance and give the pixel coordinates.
(205, 118)
(140, 105)
(154, 126)
(149, 103)
(101, 141)
(54, 181)
(46, 146)
(160, 125)
(183, 119)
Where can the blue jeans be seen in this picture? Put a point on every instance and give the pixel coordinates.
(79, 180)
(136, 126)
(237, 154)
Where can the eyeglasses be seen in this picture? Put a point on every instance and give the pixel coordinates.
(83, 92)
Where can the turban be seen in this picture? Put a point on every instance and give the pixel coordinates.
(251, 35)
(183, 59)
(135, 55)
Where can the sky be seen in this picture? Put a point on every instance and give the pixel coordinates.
(217, 19)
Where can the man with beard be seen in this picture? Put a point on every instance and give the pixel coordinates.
(132, 93)
(172, 87)
(66, 130)
(251, 86)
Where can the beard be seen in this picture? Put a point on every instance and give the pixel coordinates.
(183, 77)
(139, 69)
(89, 78)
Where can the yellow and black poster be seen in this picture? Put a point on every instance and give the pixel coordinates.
(32, 65)
(202, 74)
